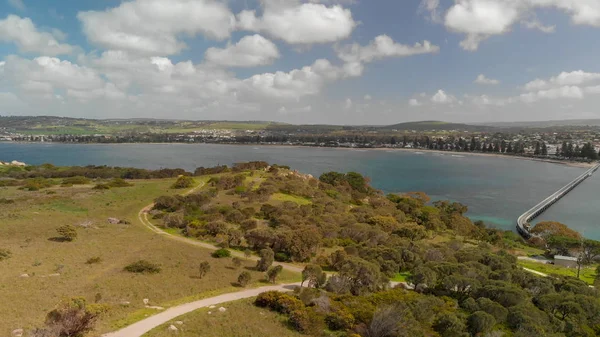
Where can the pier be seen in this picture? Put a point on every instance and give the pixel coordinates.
(525, 218)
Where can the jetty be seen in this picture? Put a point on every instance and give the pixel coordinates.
(523, 221)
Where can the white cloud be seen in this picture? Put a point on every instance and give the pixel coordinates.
(572, 92)
(441, 97)
(431, 6)
(17, 4)
(592, 89)
(481, 79)
(29, 39)
(297, 23)
(154, 26)
(481, 19)
(250, 51)
(574, 78)
(383, 46)
(536, 24)
(413, 102)
(368, 97)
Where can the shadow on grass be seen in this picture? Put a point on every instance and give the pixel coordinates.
(59, 239)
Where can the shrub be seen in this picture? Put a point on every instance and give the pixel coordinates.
(72, 317)
(4, 201)
(204, 269)
(282, 257)
(118, 182)
(78, 180)
(183, 182)
(4, 254)
(267, 299)
(237, 262)
(143, 267)
(67, 232)
(266, 259)
(101, 187)
(221, 253)
(307, 321)
(36, 184)
(279, 302)
(273, 273)
(244, 279)
(94, 260)
(339, 319)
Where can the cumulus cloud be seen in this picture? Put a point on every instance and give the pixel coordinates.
(381, 47)
(299, 23)
(481, 79)
(480, 19)
(154, 27)
(441, 97)
(414, 102)
(29, 39)
(554, 93)
(250, 51)
(573, 78)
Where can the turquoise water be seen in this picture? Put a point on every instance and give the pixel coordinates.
(496, 189)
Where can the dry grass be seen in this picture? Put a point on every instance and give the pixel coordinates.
(27, 226)
(281, 197)
(242, 319)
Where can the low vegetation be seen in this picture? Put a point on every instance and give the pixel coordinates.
(143, 267)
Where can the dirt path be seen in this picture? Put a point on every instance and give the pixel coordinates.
(143, 326)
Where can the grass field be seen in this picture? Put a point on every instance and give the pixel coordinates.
(400, 277)
(588, 274)
(242, 319)
(281, 197)
(26, 229)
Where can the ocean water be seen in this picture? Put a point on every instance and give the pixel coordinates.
(496, 189)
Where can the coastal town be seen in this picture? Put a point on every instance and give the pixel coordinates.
(574, 143)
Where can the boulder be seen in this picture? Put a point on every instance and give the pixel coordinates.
(125, 303)
(113, 221)
(173, 328)
(146, 301)
(221, 309)
(54, 275)
(24, 275)
(17, 333)
(179, 322)
(212, 307)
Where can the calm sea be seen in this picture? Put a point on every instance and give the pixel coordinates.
(496, 189)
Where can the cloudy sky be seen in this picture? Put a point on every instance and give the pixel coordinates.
(302, 61)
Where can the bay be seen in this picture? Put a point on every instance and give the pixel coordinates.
(496, 189)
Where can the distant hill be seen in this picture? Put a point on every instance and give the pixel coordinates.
(546, 124)
(436, 125)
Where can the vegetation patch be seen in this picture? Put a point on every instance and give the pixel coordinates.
(221, 253)
(4, 254)
(143, 267)
(587, 274)
(281, 197)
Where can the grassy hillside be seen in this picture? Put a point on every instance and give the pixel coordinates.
(56, 270)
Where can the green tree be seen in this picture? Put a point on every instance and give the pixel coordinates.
(203, 269)
(183, 182)
(267, 256)
(544, 149)
(538, 149)
(480, 322)
(237, 262)
(67, 232)
(274, 272)
(313, 274)
(422, 276)
(244, 278)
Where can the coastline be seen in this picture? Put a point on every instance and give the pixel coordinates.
(389, 149)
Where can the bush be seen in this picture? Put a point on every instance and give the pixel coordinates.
(101, 187)
(118, 182)
(266, 259)
(282, 257)
(221, 253)
(183, 182)
(67, 232)
(78, 180)
(94, 260)
(143, 267)
(307, 321)
(339, 319)
(244, 279)
(4, 254)
(279, 302)
(72, 317)
(4, 201)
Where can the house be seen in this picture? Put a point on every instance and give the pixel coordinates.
(565, 261)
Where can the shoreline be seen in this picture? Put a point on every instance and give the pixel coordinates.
(389, 149)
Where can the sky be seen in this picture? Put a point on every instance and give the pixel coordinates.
(302, 61)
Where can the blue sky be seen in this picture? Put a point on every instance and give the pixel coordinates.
(302, 61)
